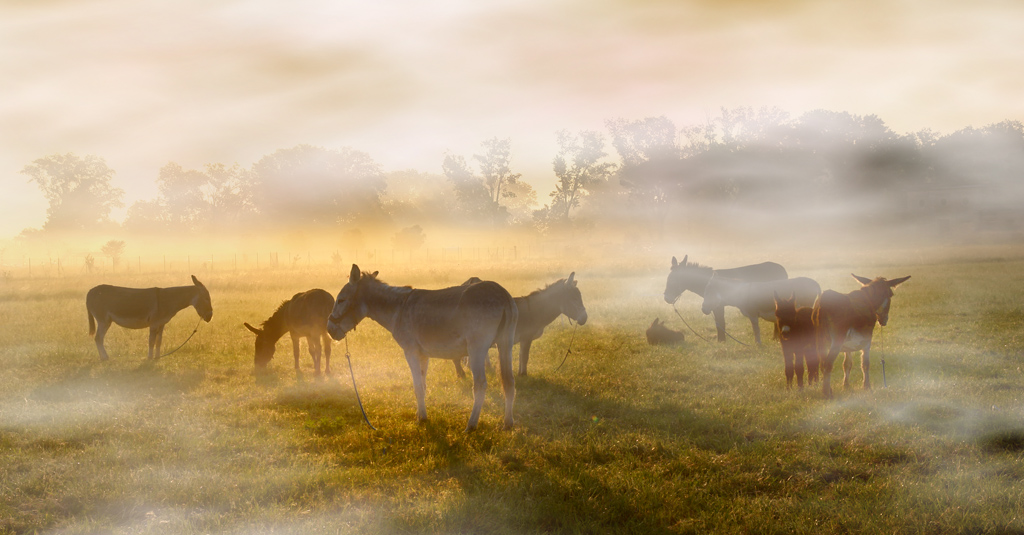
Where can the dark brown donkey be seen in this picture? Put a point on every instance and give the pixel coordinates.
(658, 334)
(303, 316)
(796, 332)
(694, 277)
(446, 324)
(846, 322)
(138, 308)
(536, 311)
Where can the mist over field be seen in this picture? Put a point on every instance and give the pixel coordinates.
(266, 149)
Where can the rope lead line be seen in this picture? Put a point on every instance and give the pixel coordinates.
(676, 310)
(880, 330)
(194, 331)
(687, 324)
(348, 357)
(571, 340)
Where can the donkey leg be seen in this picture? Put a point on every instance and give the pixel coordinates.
(847, 366)
(798, 362)
(813, 361)
(508, 380)
(826, 369)
(327, 353)
(102, 324)
(313, 346)
(477, 366)
(720, 322)
(787, 359)
(416, 366)
(524, 356)
(756, 326)
(159, 340)
(295, 351)
(458, 368)
(153, 333)
(865, 365)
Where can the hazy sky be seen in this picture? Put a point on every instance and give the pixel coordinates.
(142, 83)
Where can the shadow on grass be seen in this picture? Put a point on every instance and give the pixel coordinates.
(95, 381)
(552, 407)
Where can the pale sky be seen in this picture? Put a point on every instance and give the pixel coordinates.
(144, 83)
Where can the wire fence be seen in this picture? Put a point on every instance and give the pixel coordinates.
(40, 267)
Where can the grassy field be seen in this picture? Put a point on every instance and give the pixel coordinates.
(625, 438)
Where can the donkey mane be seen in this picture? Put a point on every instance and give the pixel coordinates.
(277, 317)
(541, 290)
(693, 265)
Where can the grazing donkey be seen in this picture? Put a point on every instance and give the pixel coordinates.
(137, 308)
(694, 277)
(659, 334)
(755, 299)
(303, 316)
(536, 311)
(846, 322)
(796, 333)
(445, 324)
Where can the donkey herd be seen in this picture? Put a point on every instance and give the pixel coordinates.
(465, 321)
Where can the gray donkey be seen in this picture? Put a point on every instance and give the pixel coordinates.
(138, 308)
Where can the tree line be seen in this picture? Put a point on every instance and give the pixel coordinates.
(754, 159)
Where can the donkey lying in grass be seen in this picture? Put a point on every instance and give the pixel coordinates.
(536, 311)
(846, 322)
(138, 308)
(694, 277)
(445, 324)
(755, 299)
(303, 316)
(659, 334)
(796, 333)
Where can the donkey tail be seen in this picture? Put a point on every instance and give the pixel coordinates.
(92, 322)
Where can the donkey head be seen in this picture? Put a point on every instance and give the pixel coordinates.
(879, 293)
(264, 347)
(785, 314)
(201, 302)
(350, 307)
(572, 301)
(675, 285)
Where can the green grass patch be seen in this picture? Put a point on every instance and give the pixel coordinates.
(624, 438)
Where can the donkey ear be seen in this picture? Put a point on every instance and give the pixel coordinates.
(684, 259)
(571, 278)
(864, 281)
(792, 297)
(655, 322)
(776, 294)
(353, 276)
(896, 282)
(674, 262)
(196, 281)
(254, 330)
(374, 275)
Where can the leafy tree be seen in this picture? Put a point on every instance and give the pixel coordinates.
(645, 140)
(113, 250)
(183, 196)
(313, 185)
(79, 190)
(409, 238)
(473, 200)
(414, 196)
(495, 168)
(578, 168)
